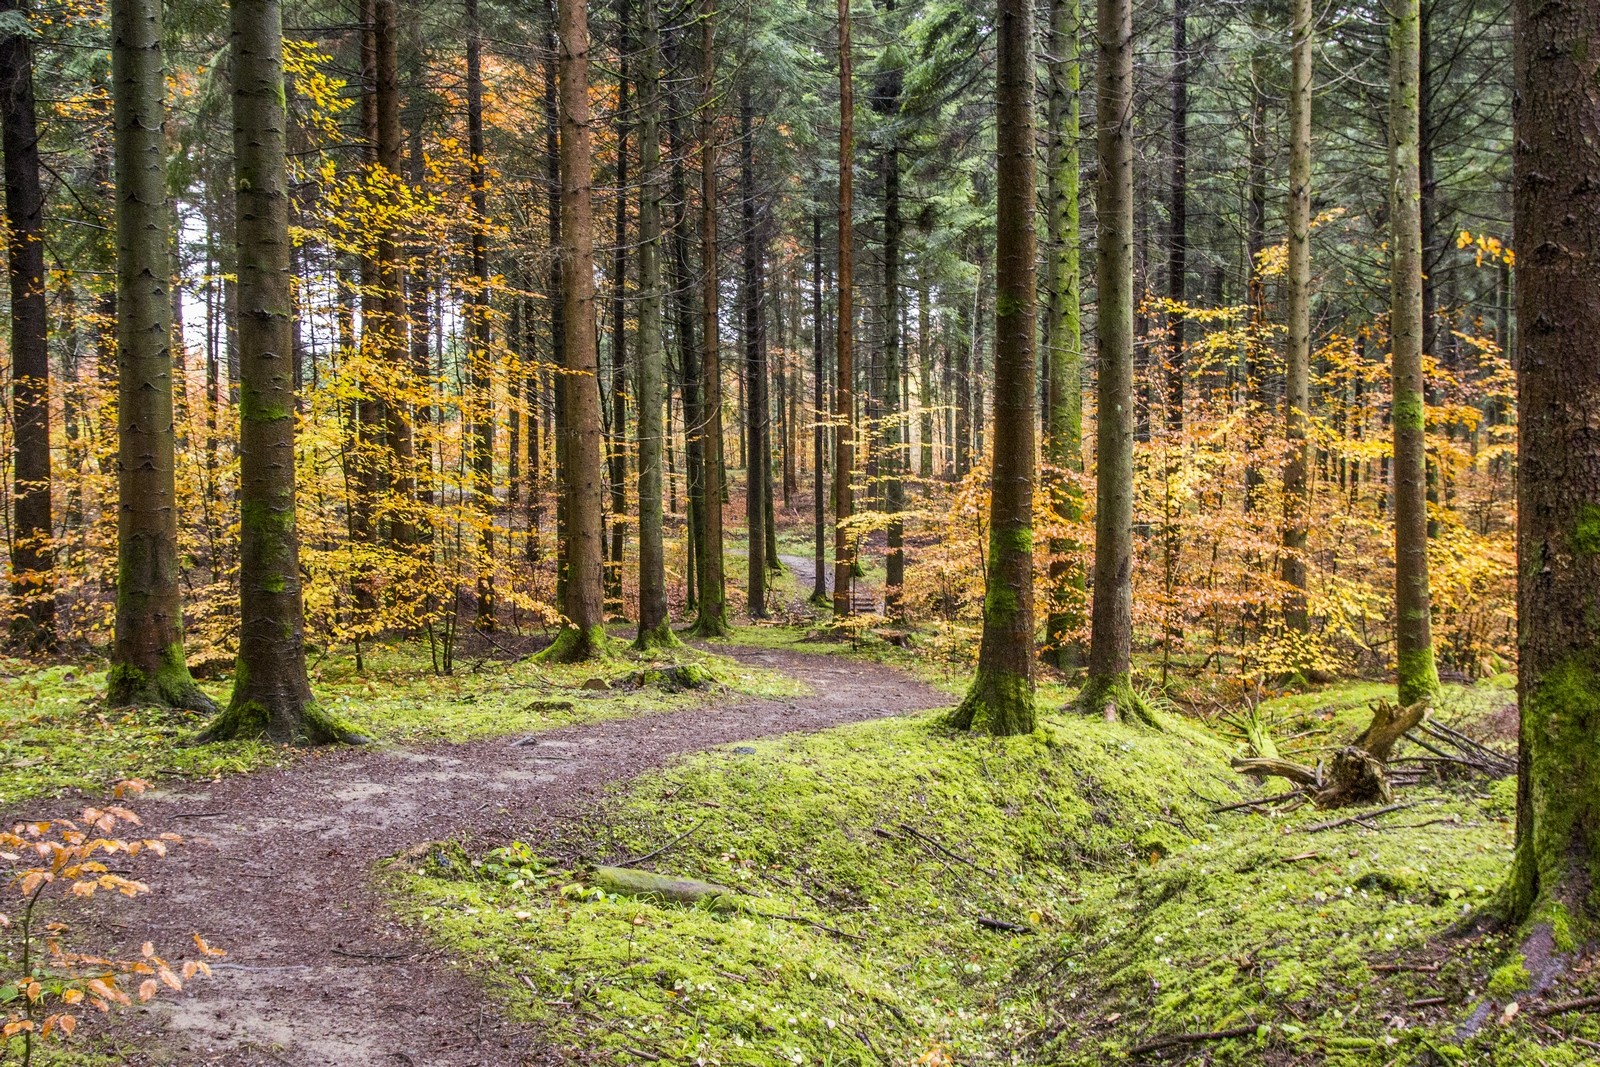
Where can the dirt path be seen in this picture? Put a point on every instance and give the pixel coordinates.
(277, 870)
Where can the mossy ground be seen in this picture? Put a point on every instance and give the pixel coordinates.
(1150, 913)
(56, 734)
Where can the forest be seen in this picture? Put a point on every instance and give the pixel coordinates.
(855, 533)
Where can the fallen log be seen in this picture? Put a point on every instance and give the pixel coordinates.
(644, 885)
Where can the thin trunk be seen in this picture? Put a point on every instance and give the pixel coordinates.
(844, 395)
(819, 508)
(479, 357)
(1418, 677)
(1178, 246)
(713, 617)
(617, 438)
(1297, 356)
(757, 469)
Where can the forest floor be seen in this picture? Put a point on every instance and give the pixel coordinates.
(277, 869)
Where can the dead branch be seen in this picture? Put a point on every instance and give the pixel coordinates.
(1170, 1040)
(1332, 824)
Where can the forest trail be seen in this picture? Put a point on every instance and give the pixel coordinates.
(277, 869)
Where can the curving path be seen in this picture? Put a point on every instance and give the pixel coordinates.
(277, 867)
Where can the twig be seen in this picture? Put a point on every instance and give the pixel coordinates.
(919, 835)
(1290, 795)
(656, 852)
(1562, 1006)
(1360, 817)
(820, 926)
(1003, 926)
(1191, 1039)
(642, 1054)
(197, 814)
(1427, 1002)
(369, 955)
(1418, 968)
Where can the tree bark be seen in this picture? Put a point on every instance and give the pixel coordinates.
(1417, 675)
(819, 508)
(1111, 614)
(1064, 333)
(757, 461)
(147, 658)
(1297, 356)
(271, 693)
(479, 356)
(583, 636)
(713, 617)
(844, 393)
(33, 622)
(1556, 166)
(1000, 701)
(654, 630)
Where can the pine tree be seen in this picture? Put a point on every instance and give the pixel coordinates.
(1297, 357)
(844, 366)
(147, 657)
(1001, 698)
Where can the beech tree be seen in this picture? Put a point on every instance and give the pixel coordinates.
(1000, 700)
(1557, 217)
(147, 660)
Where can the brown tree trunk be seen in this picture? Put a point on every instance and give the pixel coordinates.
(844, 395)
(713, 617)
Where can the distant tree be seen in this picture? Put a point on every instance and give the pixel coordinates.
(1557, 209)
(271, 693)
(1001, 699)
(147, 657)
(479, 337)
(844, 368)
(1297, 357)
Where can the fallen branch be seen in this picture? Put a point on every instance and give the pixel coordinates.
(1393, 968)
(1259, 801)
(1562, 1006)
(1191, 1039)
(656, 852)
(920, 836)
(1003, 926)
(1360, 817)
(812, 922)
(1277, 768)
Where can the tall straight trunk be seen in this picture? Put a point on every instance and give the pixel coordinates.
(366, 460)
(147, 660)
(1178, 207)
(271, 693)
(392, 324)
(924, 384)
(584, 636)
(1297, 356)
(1001, 698)
(654, 630)
(558, 301)
(964, 348)
(713, 617)
(1064, 424)
(689, 370)
(1418, 677)
(844, 366)
(757, 465)
(479, 357)
(33, 622)
(1107, 687)
(891, 465)
(617, 438)
(1556, 162)
(417, 307)
(1254, 244)
(819, 508)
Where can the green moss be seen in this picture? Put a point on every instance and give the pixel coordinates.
(1418, 676)
(575, 645)
(999, 703)
(1408, 409)
(1586, 531)
(1511, 977)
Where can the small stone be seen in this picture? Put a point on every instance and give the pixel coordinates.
(595, 684)
(744, 750)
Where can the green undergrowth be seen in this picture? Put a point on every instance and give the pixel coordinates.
(57, 734)
(867, 858)
(882, 845)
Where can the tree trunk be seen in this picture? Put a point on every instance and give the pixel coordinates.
(403, 528)
(894, 431)
(1418, 677)
(147, 659)
(819, 509)
(1178, 217)
(33, 623)
(271, 693)
(844, 394)
(757, 468)
(1111, 614)
(1556, 162)
(654, 630)
(713, 617)
(583, 636)
(1297, 357)
(1064, 433)
(1001, 698)
(479, 357)
(617, 438)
